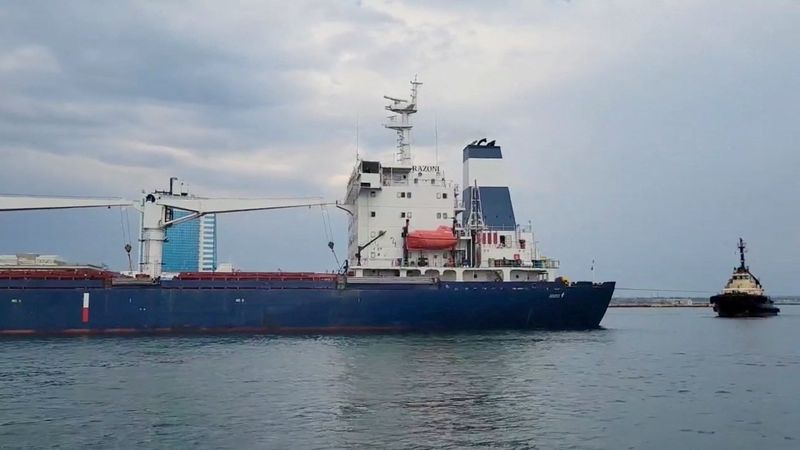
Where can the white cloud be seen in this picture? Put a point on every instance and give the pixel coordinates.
(28, 59)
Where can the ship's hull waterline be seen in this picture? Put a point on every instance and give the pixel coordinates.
(299, 308)
(743, 305)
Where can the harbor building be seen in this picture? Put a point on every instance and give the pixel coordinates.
(191, 246)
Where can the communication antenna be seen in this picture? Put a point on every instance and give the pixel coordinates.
(436, 136)
(401, 121)
(357, 136)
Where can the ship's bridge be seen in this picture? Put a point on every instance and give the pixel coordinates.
(389, 201)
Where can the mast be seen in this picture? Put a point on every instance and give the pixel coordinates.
(401, 121)
(742, 266)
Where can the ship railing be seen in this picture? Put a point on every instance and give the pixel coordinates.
(546, 263)
(396, 263)
(255, 276)
(58, 274)
(488, 229)
(520, 228)
(499, 246)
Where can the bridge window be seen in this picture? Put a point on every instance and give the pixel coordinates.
(438, 215)
(370, 167)
(444, 194)
(402, 214)
(372, 213)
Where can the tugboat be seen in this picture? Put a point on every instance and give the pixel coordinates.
(743, 296)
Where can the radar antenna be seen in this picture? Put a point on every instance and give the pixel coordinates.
(401, 121)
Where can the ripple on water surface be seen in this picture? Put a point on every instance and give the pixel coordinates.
(677, 378)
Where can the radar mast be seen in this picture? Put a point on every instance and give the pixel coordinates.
(742, 250)
(401, 121)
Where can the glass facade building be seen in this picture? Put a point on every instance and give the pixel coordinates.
(192, 245)
(208, 243)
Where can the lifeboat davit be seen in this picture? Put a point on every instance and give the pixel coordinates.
(439, 239)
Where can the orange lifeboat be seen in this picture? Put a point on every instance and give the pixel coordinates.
(439, 239)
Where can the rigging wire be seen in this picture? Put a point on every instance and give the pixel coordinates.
(326, 223)
(128, 223)
(122, 226)
(126, 234)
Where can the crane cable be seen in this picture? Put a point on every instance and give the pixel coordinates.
(126, 234)
(326, 222)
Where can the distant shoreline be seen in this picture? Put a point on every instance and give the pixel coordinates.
(656, 305)
(674, 305)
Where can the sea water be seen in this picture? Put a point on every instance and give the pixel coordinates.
(651, 378)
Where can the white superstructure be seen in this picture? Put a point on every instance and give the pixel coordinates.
(743, 281)
(410, 220)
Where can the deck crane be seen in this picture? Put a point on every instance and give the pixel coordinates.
(154, 213)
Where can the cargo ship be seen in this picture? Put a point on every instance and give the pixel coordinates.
(424, 254)
(743, 295)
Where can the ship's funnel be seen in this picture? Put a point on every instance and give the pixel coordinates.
(484, 169)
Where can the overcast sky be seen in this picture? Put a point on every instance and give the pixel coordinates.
(647, 136)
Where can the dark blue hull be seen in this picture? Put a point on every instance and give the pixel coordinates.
(57, 307)
(743, 305)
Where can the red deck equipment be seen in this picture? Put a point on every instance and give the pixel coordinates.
(439, 239)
